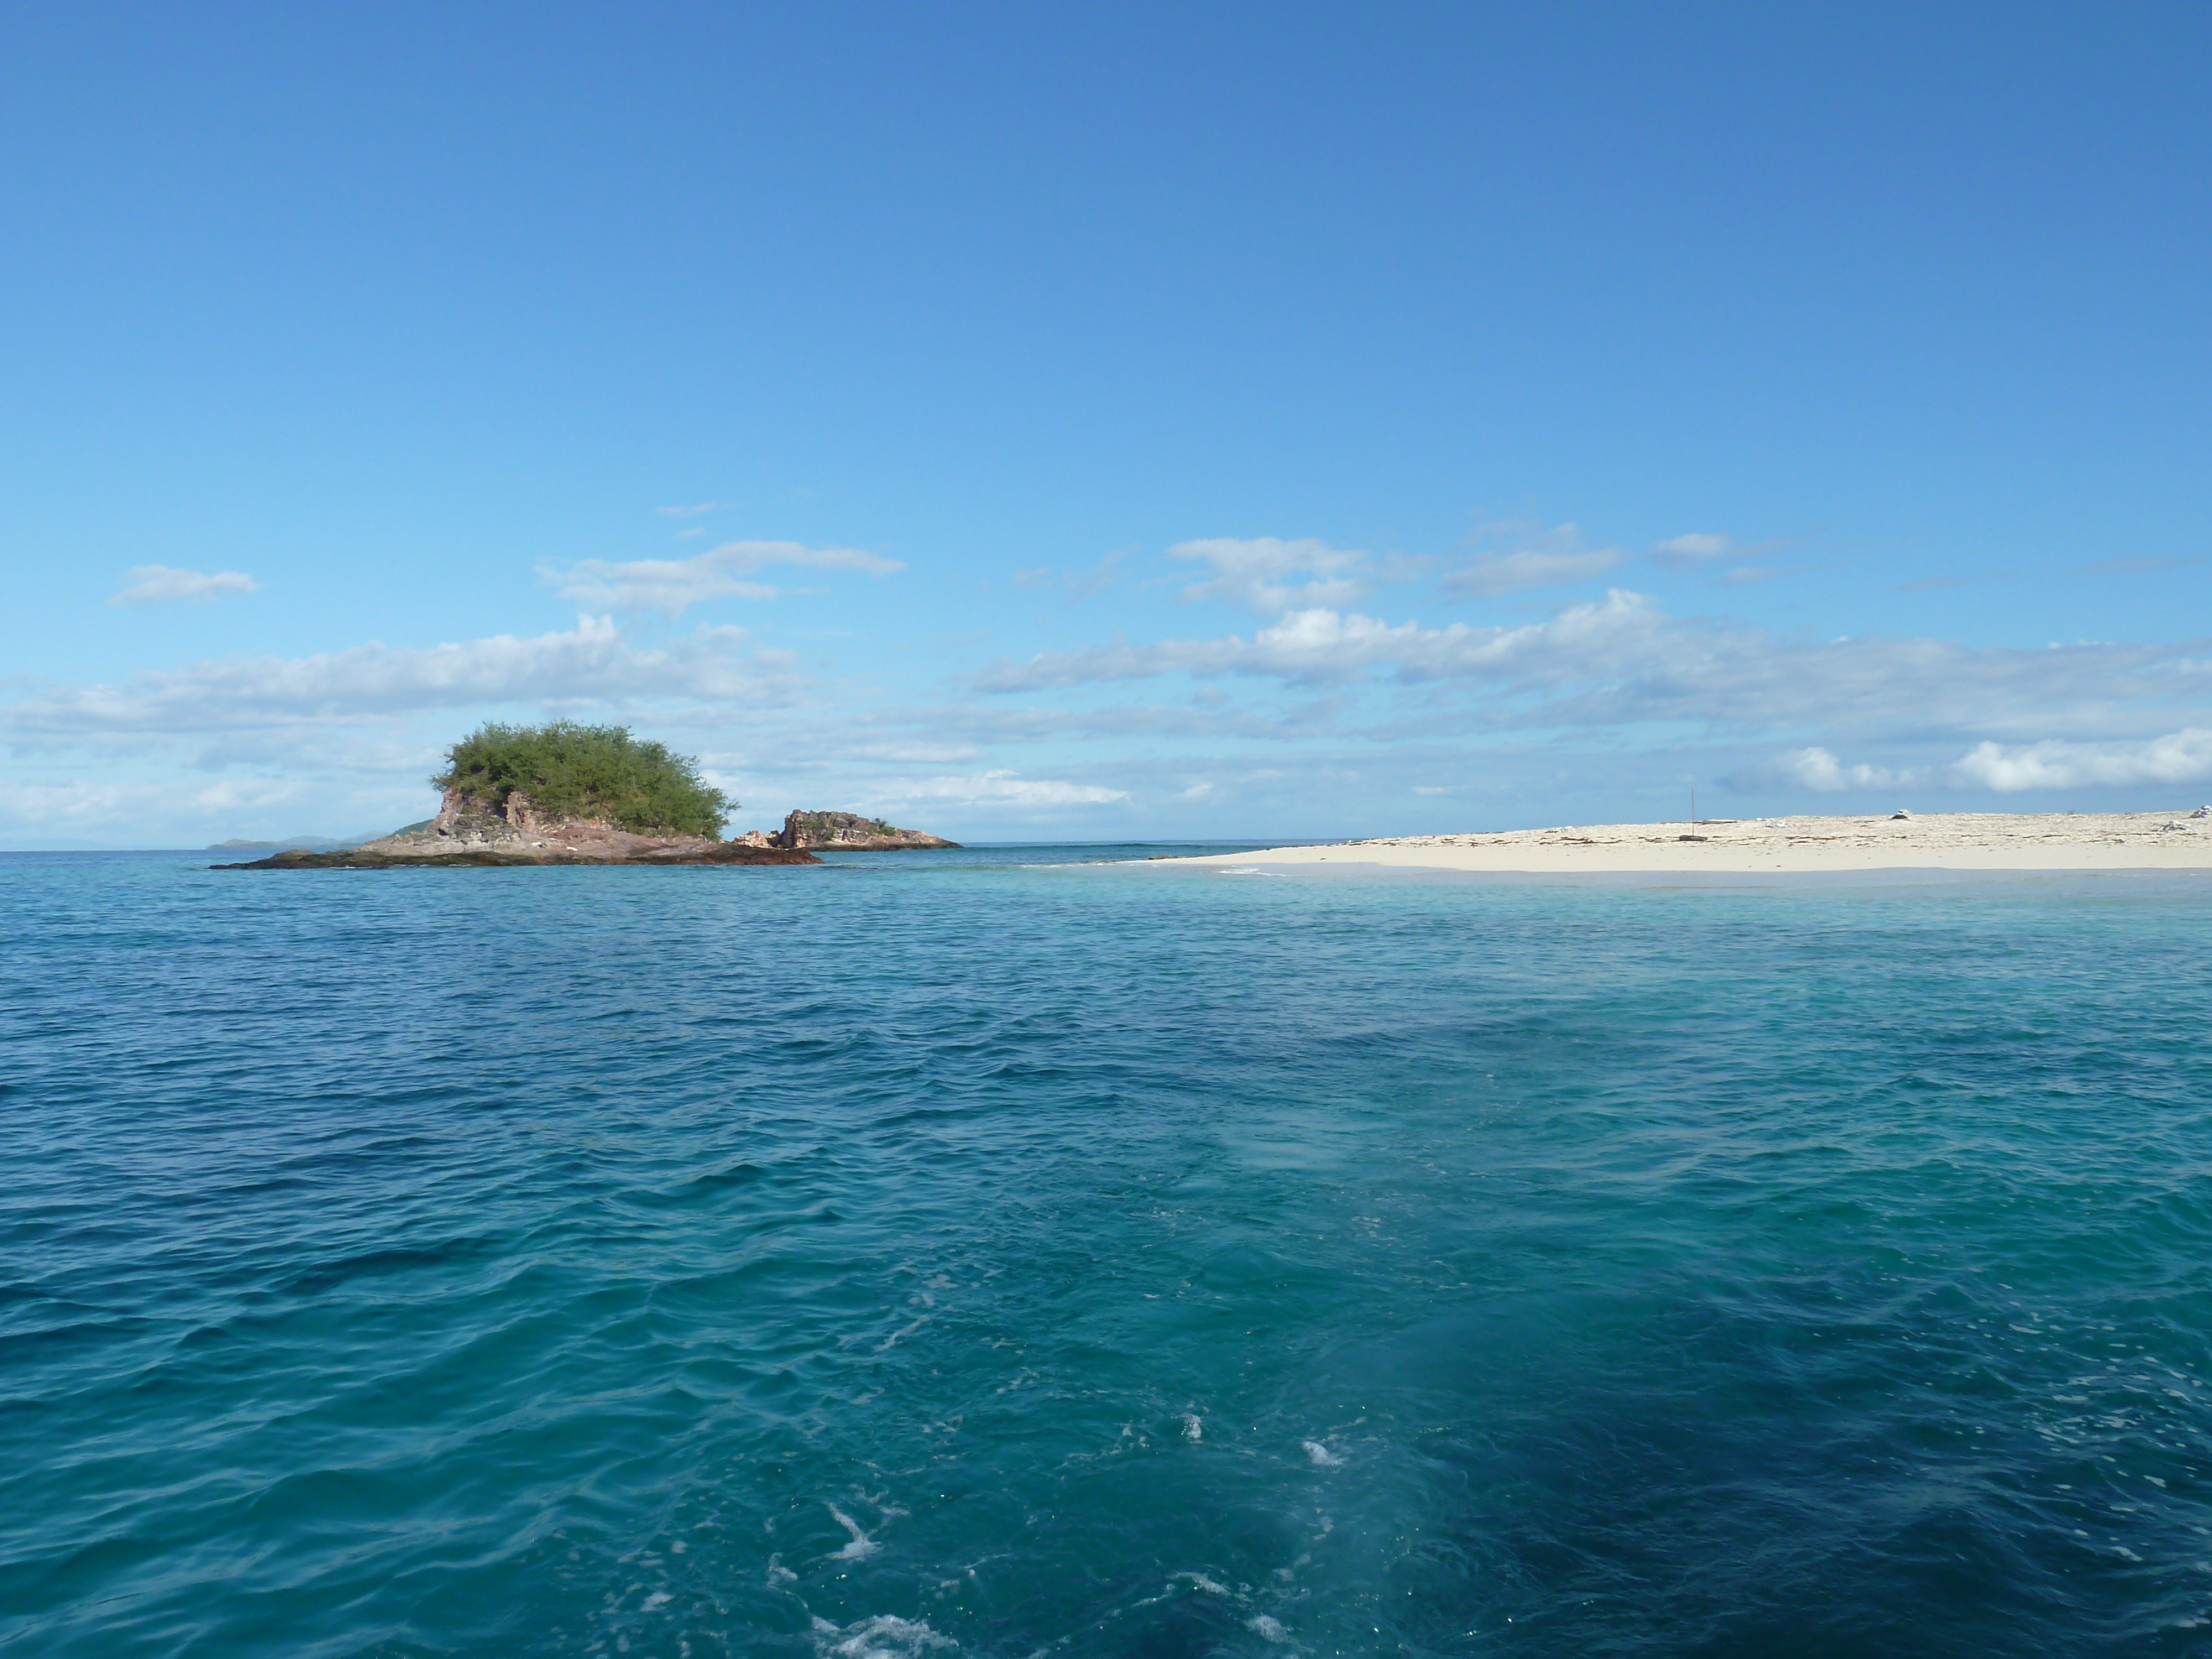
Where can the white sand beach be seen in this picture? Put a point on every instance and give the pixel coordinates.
(2177, 840)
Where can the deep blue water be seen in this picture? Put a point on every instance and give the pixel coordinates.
(990, 1255)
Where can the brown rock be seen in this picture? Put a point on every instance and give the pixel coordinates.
(850, 832)
(469, 831)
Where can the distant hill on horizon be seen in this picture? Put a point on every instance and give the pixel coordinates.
(312, 843)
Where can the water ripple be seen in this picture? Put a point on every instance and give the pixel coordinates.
(998, 1253)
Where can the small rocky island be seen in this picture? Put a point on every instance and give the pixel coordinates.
(568, 793)
(847, 832)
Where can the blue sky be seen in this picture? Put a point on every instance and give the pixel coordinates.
(1174, 420)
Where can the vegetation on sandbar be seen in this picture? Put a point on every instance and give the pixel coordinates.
(572, 771)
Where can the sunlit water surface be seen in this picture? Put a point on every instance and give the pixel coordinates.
(1001, 1253)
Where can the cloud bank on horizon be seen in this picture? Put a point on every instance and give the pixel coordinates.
(1319, 717)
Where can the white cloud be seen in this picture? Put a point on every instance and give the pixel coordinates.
(79, 805)
(1512, 572)
(2182, 756)
(1816, 768)
(1702, 548)
(1620, 660)
(1693, 549)
(997, 789)
(1318, 644)
(689, 512)
(673, 586)
(1252, 572)
(593, 663)
(153, 584)
(1551, 558)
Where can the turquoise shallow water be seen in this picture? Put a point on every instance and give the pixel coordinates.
(990, 1255)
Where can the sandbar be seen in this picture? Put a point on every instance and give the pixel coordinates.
(2176, 840)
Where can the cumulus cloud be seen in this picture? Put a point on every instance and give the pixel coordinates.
(1816, 768)
(2182, 756)
(1259, 573)
(592, 663)
(674, 586)
(997, 788)
(1307, 644)
(155, 584)
(1620, 660)
(1320, 645)
(1529, 558)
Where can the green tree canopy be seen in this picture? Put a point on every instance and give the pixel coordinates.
(570, 770)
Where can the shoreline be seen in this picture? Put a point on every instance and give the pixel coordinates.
(1946, 841)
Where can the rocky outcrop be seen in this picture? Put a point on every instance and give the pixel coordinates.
(470, 830)
(847, 832)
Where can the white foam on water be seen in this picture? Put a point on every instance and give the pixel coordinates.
(1321, 1455)
(1192, 1428)
(1267, 1629)
(778, 1574)
(1200, 1581)
(862, 1546)
(886, 1636)
(657, 1599)
(899, 1335)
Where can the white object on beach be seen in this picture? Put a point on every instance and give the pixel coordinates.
(2202, 812)
(1902, 812)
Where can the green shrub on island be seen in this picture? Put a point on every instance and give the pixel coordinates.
(572, 771)
(822, 828)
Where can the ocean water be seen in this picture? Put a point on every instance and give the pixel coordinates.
(1008, 1252)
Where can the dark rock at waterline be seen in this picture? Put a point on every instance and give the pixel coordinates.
(363, 858)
